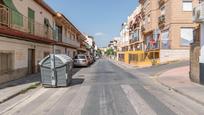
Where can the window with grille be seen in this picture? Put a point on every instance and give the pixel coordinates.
(6, 62)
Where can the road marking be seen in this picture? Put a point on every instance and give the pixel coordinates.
(17, 106)
(138, 103)
(49, 103)
(103, 103)
(77, 104)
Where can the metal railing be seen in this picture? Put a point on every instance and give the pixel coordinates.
(153, 46)
(13, 19)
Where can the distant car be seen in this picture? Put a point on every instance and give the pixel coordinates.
(97, 57)
(81, 60)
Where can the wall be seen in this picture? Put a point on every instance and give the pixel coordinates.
(19, 50)
(40, 13)
(194, 62)
(177, 18)
(174, 55)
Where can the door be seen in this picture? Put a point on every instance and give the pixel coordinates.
(31, 20)
(31, 61)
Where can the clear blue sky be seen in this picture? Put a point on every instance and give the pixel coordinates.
(99, 18)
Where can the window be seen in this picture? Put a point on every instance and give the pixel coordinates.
(59, 33)
(165, 40)
(186, 36)
(6, 62)
(187, 5)
(148, 18)
(162, 10)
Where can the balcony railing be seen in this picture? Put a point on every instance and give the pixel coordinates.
(154, 45)
(161, 3)
(142, 1)
(161, 21)
(142, 28)
(13, 19)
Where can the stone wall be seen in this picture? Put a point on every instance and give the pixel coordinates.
(194, 62)
(174, 55)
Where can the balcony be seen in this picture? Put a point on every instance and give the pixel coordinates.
(142, 13)
(152, 45)
(133, 41)
(11, 20)
(161, 22)
(142, 1)
(142, 28)
(71, 42)
(161, 3)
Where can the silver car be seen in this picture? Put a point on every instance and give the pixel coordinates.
(81, 60)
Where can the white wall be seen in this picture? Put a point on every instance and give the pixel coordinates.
(174, 55)
(40, 13)
(20, 50)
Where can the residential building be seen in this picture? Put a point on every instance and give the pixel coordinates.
(68, 37)
(90, 45)
(159, 31)
(176, 28)
(124, 34)
(29, 31)
(113, 44)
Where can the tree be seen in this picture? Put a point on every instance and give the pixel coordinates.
(110, 52)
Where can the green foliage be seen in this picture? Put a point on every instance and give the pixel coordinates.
(110, 52)
(98, 52)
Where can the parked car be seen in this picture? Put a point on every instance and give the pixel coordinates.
(81, 60)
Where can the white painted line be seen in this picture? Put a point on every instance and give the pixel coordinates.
(17, 106)
(138, 103)
(103, 103)
(50, 102)
(78, 102)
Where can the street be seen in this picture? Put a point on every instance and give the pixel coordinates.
(104, 89)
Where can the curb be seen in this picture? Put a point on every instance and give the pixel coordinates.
(180, 92)
(32, 86)
(157, 76)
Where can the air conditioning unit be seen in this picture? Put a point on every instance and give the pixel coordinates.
(198, 13)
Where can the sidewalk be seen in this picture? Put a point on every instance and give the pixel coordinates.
(13, 88)
(178, 80)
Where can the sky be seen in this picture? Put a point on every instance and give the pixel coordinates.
(99, 18)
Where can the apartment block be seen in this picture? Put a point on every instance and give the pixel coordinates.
(29, 31)
(159, 31)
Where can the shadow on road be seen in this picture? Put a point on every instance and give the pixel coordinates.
(77, 81)
(24, 80)
(36, 78)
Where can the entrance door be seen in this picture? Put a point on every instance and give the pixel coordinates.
(31, 19)
(31, 61)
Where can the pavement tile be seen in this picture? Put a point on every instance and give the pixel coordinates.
(13, 88)
(178, 80)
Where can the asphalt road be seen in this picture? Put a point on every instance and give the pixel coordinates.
(104, 89)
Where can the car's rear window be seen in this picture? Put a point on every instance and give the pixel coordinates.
(81, 57)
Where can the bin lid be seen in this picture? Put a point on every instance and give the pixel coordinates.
(60, 60)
